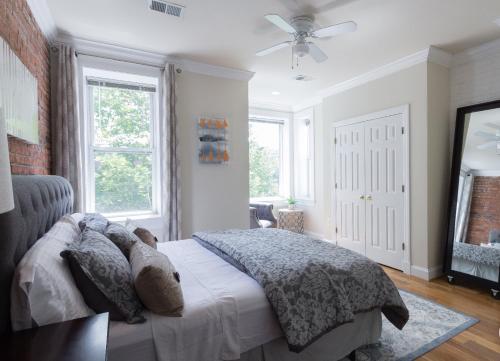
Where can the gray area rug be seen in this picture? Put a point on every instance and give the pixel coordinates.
(429, 326)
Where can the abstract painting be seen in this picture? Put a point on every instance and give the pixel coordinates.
(213, 140)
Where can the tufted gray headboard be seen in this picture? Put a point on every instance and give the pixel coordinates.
(39, 202)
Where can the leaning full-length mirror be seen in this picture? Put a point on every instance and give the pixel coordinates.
(475, 246)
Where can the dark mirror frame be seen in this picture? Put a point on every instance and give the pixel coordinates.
(452, 201)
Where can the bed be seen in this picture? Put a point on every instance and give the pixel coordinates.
(479, 261)
(227, 315)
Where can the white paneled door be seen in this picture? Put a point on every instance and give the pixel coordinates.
(350, 179)
(369, 193)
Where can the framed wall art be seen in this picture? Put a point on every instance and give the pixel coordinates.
(18, 96)
(213, 143)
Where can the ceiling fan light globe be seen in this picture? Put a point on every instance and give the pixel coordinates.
(301, 50)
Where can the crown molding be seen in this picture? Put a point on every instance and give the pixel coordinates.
(121, 53)
(256, 104)
(440, 57)
(43, 17)
(430, 54)
(212, 70)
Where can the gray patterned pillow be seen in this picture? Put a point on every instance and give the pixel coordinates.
(94, 221)
(103, 263)
(121, 237)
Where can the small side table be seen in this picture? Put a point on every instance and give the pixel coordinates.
(291, 220)
(83, 339)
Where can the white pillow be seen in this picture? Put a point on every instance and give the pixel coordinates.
(43, 289)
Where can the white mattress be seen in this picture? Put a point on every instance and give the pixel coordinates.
(226, 314)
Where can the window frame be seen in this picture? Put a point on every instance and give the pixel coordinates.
(125, 75)
(307, 114)
(283, 185)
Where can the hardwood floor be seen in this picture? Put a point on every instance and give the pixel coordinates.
(479, 342)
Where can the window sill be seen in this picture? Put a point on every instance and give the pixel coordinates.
(133, 216)
(267, 199)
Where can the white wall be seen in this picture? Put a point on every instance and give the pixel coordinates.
(408, 86)
(438, 84)
(425, 87)
(213, 196)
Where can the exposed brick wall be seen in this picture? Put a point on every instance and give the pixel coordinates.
(485, 209)
(19, 28)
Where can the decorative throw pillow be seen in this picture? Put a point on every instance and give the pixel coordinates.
(121, 237)
(94, 221)
(144, 234)
(109, 271)
(43, 290)
(156, 281)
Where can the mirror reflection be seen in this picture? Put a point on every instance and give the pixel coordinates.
(476, 246)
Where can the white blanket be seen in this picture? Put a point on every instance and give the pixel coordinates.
(226, 312)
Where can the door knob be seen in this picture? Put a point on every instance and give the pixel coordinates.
(361, 197)
(369, 198)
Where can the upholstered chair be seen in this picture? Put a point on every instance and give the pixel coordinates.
(261, 215)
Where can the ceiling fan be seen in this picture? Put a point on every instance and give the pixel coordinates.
(302, 29)
(492, 139)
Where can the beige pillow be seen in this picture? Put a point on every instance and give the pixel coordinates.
(146, 236)
(156, 281)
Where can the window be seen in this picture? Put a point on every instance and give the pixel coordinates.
(266, 158)
(121, 153)
(304, 155)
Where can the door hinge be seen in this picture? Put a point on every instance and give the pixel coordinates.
(402, 130)
(334, 140)
(403, 246)
(403, 188)
(335, 185)
(336, 230)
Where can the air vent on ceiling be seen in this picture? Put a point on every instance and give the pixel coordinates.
(167, 8)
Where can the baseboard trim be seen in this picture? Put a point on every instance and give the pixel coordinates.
(315, 235)
(427, 273)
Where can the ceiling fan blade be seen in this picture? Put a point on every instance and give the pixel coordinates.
(273, 48)
(487, 145)
(490, 136)
(316, 53)
(337, 29)
(281, 23)
(493, 125)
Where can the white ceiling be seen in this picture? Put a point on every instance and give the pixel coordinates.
(229, 32)
(485, 159)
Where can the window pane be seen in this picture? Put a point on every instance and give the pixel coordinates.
(265, 159)
(123, 182)
(121, 117)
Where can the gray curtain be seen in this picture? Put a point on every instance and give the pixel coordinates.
(464, 199)
(66, 151)
(171, 200)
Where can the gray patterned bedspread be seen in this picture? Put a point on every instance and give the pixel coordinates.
(473, 253)
(312, 285)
